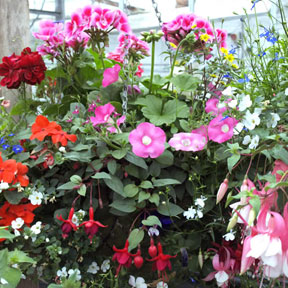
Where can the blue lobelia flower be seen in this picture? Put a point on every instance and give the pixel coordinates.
(2, 140)
(261, 54)
(277, 57)
(269, 36)
(246, 79)
(17, 149)
(254, 3)
(11, 134)
(5, 146)
(227, 75)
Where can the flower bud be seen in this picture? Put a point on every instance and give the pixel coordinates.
(244, 186)
(200, 259)
(232, 222)
(252, 216)
(222, 190)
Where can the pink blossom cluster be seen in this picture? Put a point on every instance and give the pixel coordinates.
(183, 24)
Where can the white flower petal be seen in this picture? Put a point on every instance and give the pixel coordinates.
(258, 245)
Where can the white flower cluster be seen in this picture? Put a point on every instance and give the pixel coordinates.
(63, 273)
(78, 217)
(94, 268)
(196, 212)
(36, 197)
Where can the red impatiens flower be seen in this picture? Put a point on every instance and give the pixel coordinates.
(162, 261)
(91, 227)
(21, 176)
(67, 225)
(62, 136)
(123, 257)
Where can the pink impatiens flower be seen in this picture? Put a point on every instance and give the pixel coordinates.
(187, 142)
(221, 129)
(147, 140)
(111, 75)
(102, 114)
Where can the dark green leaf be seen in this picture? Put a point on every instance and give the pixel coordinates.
(232, 160)
(101, 175)
(135, 237)
(119, 154)
(131, 190)
(66, 186)
(13, 197)
(165, 182)
(154, 198)
(143, 196)
(169, 209)
(132, 158)
(127, 206)
(151, 221)
(115, 184)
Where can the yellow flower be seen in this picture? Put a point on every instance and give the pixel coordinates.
(194, 26)
(224, 50)
(229, 57)
(204, 37)
(172, 45)
(235, 66)
(213, 75)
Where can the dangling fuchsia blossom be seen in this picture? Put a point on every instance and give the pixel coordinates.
(147, 140)
(67, 225)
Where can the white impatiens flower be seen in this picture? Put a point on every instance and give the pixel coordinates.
(238, 128)
(75, 271)
(190, 213)
(153, 231)
(93, 268)
(17, 223)
(246, 140)
(105, 265)
(36, 228)
(138, 283)
(162, 284)
(233, 103)
(200, 201)
(245, 103)
(36, 198)
(3, 186)
(273, 122)
(62, 273)
(254, 142)
(251, 120)
(230, 236)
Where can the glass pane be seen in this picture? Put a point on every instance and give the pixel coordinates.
(47, 5)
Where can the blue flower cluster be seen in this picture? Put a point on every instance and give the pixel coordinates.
(15, 148)
(269, 36)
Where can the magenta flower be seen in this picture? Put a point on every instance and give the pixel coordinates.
(221, 129)
(187, 142)
(213, 106)
(147, 140)
(102, 114)
(111, 75)
(202, 130)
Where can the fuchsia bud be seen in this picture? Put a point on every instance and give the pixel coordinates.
(222, 190)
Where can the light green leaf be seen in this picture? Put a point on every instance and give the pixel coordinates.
(127, 206)
(185, 82)
(143, 196)
(18, 256)
(66, 186)
(146, 185)
(101, 175)
(6, 234)
(135, 237)
(82, 190)
(131, 190)
(165, 182)
(76, 179)
(151, 221)
(132, 158)
(232, 160)
(112, 166)
(119, 154)
(154, 198)
(169, 209)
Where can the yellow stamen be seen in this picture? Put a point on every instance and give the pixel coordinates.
(204, 37)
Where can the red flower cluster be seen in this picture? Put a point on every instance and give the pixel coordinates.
(13, 172)
(42, 128)
(28, 67)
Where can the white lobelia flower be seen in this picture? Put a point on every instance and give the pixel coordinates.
(138, 283)
(81, 213)
(162, 284)
(272, 123)
(200, 201)
(238, 128)
(230, 236)
(93, 268)
(36, 228)
(75, 271)
(254, 142)
(3, 281)
(105, 265)
(153, 231)
(17, 223)
(200, 213)
(245, 103)
(246, 140)
(233, 104)
(62, 273)
(251, 120)
(3, 186)
(36, 198)
(190, 213)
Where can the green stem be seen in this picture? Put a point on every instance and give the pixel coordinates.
(101, 55)
(152, 66)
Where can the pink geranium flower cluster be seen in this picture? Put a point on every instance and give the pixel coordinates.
(184, 24)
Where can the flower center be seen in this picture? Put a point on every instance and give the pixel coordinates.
(185, 142)
(225, 128)
(106, 117)
(146, 140)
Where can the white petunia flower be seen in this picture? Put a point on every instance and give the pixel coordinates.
(200, 201)
(162, 284)
(76, 271)
(251, 120)
(246, 140)
(3, 281)
(245, 103)
(273, 122)
(238, 128)
(62, 273)
(138, 283)
(258, 111)
(254, 142)
(36, 228)
(3, 186)
(36, 198)
(105, 265)
(17, 223)
(190, 213)
(93, 268)
(233, 103)
(230, 236)
(153, 231)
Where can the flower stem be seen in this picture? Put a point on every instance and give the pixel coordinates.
(152, 66)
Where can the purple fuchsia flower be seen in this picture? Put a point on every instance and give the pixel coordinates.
(214, 106)
(111, 75)
(187, 142)
(102, 114)
(221, 129)
(147, 140)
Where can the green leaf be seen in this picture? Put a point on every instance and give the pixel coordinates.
(255, 203)
(135, 237)
(112, 166)
(232, 160)
(18, 256)
(12, 276)
(101, 175)
(127, 206)
(131, 190)
(82, 190)
(166, 158)
(66, 186)
(76, 179)
(21, 157)
(165, 182)
(6, 234)
(143, 196)
(279, 152)
(132, 158)
(151, 221)
(115, 184)
(119, 154)
(80, 147)
(169, 209)
(146, 185)
(82, 156)
(13, 197)
(3, 259)
(185, 82)
(23, 134)
(155, 198)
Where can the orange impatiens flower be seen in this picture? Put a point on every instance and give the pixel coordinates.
(42, 128)
(62, 137)
(21, 176)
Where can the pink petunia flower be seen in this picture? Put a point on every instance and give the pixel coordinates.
(221, 129)
(102, 114)
(214, 106)
(187, 142)
(111, 75)
(202, 130)
(147, 140)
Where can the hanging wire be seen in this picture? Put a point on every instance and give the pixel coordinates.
(157, 12)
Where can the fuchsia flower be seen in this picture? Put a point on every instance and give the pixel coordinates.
(111, 75)
(102, 114)
(187, 142)
(221, 129)
(147, 140)
(222, 190)
(67, 225)
(213, 105)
